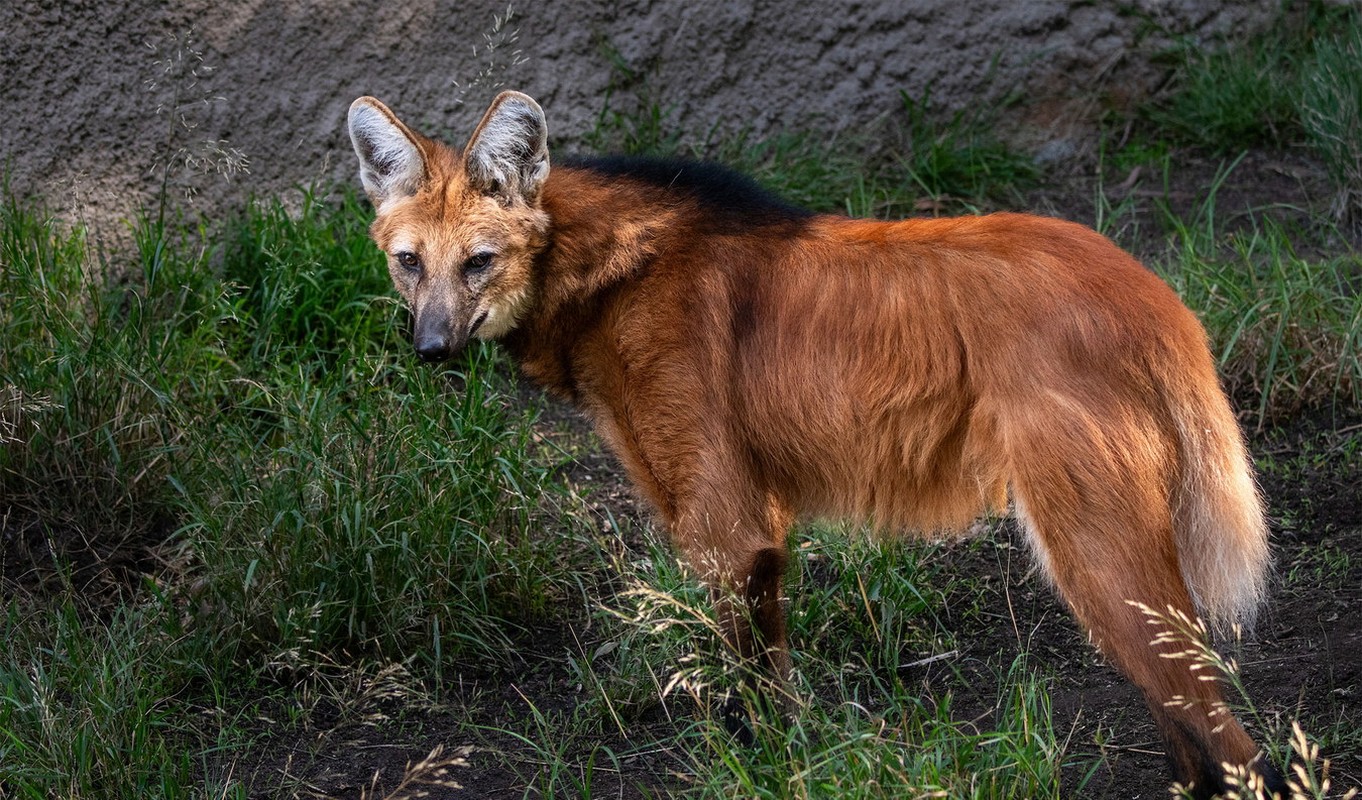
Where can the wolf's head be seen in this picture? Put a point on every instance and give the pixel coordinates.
(461, 230)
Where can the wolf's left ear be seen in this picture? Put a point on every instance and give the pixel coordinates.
(390, 161)
(508, 154)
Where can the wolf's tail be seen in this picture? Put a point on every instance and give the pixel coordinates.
(1221, 529)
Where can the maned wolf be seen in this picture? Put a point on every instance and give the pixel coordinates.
(751, 363)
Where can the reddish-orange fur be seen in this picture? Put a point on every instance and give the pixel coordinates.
(914, 374)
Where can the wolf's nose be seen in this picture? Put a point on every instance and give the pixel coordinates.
(432, 348)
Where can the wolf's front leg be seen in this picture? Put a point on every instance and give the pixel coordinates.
(751, 615)
(739, 550)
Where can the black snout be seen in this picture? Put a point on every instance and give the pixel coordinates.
(434, 337)
(432, 348)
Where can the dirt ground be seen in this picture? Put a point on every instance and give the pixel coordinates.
(1304, 663)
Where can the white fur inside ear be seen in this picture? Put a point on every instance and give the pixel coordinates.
(509, 154)
(390, 163)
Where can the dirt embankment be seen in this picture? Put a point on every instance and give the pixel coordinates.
(105, 100)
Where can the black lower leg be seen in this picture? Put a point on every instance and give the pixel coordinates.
(756, 630)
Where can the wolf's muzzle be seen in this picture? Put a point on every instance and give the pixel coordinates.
(433, 348)
(433, 337)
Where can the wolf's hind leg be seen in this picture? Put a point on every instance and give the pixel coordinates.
(1106, 540)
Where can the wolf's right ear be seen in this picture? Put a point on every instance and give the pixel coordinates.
(390, 162)
(508, 155)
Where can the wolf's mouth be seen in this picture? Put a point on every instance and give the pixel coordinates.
(477, 323)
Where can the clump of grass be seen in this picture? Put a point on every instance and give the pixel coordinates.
(1295, 82)
(88, 707)
(560, 756)
(386, 517)
(1331, 113)
(860, 615)
(855, 591)
(1231, 95)
(102, 377)
(1286, 329)
(328, 504)
(107, 368)
(633, 120)
(906, 745)
(1235, 98)
(959, 155)
(309, 287)
(344, 501)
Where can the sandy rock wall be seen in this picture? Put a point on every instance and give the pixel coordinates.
(105, 100)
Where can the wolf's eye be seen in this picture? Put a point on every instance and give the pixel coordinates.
(409, 261)
(477, 263)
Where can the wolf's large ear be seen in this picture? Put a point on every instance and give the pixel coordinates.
(508, 154)
(390, 161)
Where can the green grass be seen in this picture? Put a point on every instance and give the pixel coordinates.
(1239, 93)
(862, 619)
(1331, 113)
(1294, 83)
(906, 745)
(1286, 329)
(99, 378)
(959, 155)
(1233, 98)
(303, 497)
(359, 504)
(90, 709)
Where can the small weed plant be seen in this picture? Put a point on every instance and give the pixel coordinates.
(1308, 776)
